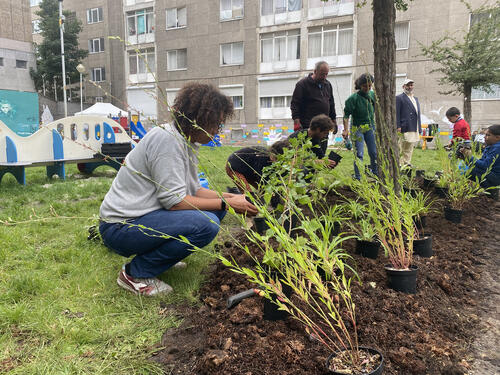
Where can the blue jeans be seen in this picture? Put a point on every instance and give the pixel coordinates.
(360, 139)
(155, 254)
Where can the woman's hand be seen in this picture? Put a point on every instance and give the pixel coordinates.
(241, 205)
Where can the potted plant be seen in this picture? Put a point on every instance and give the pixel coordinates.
(279, 259)
(420, 204)
(326, 308)
(363, 230)
(410, 184)
(393, 219)
(429, 180)
(460, 191)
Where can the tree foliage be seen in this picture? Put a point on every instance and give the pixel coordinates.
(472, 61)
(48, 52)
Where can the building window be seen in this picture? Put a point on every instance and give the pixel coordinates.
(235, 92)
(231, 9)
(279, 6)
(35, 3)
(480, 94)
(94, 15)
(35, 27)
(275, 96)
(99, 99)
(21, 64)
(142, 63)
(476, 18)
(1, 61)
(231, 53)
(330, 41)
(276, 101)
(140, 22)
(97, 74)
(177, 59)
(176, 18)
(402, 35)
(237, 101)
(280, 46)
(96, 45)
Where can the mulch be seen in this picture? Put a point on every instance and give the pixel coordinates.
(430, 332)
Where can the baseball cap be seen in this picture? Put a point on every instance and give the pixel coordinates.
(407, 81)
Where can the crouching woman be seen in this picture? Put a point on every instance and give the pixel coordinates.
(156, 197)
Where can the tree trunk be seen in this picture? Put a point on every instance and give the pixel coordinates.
(467, 104)
(384, 45)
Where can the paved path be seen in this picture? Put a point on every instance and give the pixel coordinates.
(487, 345)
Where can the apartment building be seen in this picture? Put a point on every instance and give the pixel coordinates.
(101, 19)
(16, 48)
(18, 99)
(255, 52)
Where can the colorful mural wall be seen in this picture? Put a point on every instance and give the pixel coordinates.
(19, 111)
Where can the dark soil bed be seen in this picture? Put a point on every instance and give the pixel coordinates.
(430, 332)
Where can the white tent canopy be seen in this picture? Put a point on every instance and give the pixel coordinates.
(102, 109)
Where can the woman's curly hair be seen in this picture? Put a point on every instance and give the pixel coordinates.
(200, 107)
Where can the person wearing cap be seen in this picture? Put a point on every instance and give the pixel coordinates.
(408, 121)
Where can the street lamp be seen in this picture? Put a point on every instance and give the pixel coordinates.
(61, 32)
(81, 70)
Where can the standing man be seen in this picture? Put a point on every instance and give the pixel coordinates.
(408, 121)
(313, 96)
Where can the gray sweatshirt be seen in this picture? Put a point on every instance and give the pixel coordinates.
(158, 173)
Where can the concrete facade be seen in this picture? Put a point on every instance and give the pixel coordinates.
(108, 55)
(16, 49)
(192, 40)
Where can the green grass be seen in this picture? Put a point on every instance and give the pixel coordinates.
(61, 311)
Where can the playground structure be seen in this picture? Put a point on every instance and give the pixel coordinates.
(89, 141)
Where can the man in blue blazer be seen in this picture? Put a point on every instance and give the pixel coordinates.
(408, 121)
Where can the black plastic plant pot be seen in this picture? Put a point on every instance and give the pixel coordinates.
(420, 222)
(429, 182)
(368, 249)
(423, 246)
(455, 216)
(412, 192)
(376, 371)
(441, 191)
(260, 225)
(420, 173)
(402, 280)
(271, 309)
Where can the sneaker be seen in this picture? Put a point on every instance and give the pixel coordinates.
(179, 265)
(147, 287)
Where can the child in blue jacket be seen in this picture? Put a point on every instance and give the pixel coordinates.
(491, 154)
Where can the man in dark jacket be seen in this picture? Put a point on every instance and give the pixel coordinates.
(408, 121)
(313, 96)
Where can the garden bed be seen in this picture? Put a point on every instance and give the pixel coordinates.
(430, 332)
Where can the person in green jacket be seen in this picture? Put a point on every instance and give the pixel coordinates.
(361, 106)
